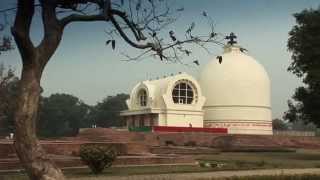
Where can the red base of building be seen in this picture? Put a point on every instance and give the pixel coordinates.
(189, 129)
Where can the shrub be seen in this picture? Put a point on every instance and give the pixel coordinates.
(202, 164)
(261, 163)
(240, 163)
(206, 164)
(190, 143)
(97, 157)
(170, 143)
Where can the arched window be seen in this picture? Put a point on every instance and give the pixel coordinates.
(183, 92)
(142, 96)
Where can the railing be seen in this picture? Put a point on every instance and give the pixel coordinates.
(189, 129)
(177, 129)
(294, 133)
(140, 129)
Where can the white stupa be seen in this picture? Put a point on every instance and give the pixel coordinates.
(233, 93)
(237, 92)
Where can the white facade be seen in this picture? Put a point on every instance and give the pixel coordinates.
(236, 96)
(237, 92)
(175, 100)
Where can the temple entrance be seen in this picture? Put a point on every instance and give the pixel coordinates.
(142, 120)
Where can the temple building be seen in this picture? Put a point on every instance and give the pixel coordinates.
(232, 91)
(175, 100)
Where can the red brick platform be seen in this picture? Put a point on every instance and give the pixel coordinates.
(138, 148)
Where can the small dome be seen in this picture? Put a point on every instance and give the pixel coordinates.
(237, 89)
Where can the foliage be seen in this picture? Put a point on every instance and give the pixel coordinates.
(169, 143)
(62, 115)
(97, 157)
(8, 93)
(278, 124)
(304, 45)
(107, 112)
(302, 126)
(190, 143)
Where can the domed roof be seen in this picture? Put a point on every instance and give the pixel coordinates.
(159, 92)
(239, 80)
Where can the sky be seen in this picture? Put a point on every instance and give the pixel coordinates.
(83, 66)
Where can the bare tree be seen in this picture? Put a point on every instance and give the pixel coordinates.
(139, 23)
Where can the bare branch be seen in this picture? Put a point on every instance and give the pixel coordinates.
(52, 33)
(136, 32)
(70, 4)
(138, 57)
(21, 28)
(127, 39)
(104, 6)
(82, 18)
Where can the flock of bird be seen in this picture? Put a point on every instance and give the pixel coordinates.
(220, 57)
(231, 38)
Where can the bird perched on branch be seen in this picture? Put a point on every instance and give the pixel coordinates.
(173, 38)
(243, 50)
(196, 62)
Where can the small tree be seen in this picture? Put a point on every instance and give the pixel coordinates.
(97, 157)
(8, 92)
(305, 47)
(61, 115)
(107, 112)
(141, 24)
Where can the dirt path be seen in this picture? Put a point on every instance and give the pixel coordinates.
(207, 175)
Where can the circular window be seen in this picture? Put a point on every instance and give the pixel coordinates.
(142, 97)
(183, 92)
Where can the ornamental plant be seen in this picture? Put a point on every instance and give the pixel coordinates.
(97, 157)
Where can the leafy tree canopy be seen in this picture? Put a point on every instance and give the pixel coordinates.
(278, 124)
(107, 112)
(62, 115)
(304, 43)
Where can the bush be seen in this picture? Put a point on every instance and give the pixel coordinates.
(261, 163)
(97, 157)
(206, 164)
(170, 143)
(190, 143)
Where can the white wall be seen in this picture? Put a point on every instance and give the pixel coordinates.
(237, 112)
(183, 120)
(242, 127)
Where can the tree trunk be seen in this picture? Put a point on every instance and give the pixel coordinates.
(32, 156)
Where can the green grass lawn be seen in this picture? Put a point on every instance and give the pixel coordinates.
(120, 171)
(298, 159)
(229, 161)
(280, 177)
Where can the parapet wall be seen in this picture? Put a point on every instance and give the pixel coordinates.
(141, 143)
(294, 133)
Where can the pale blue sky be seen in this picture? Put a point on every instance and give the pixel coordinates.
(85, 67)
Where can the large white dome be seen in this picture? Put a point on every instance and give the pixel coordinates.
(237, 92)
